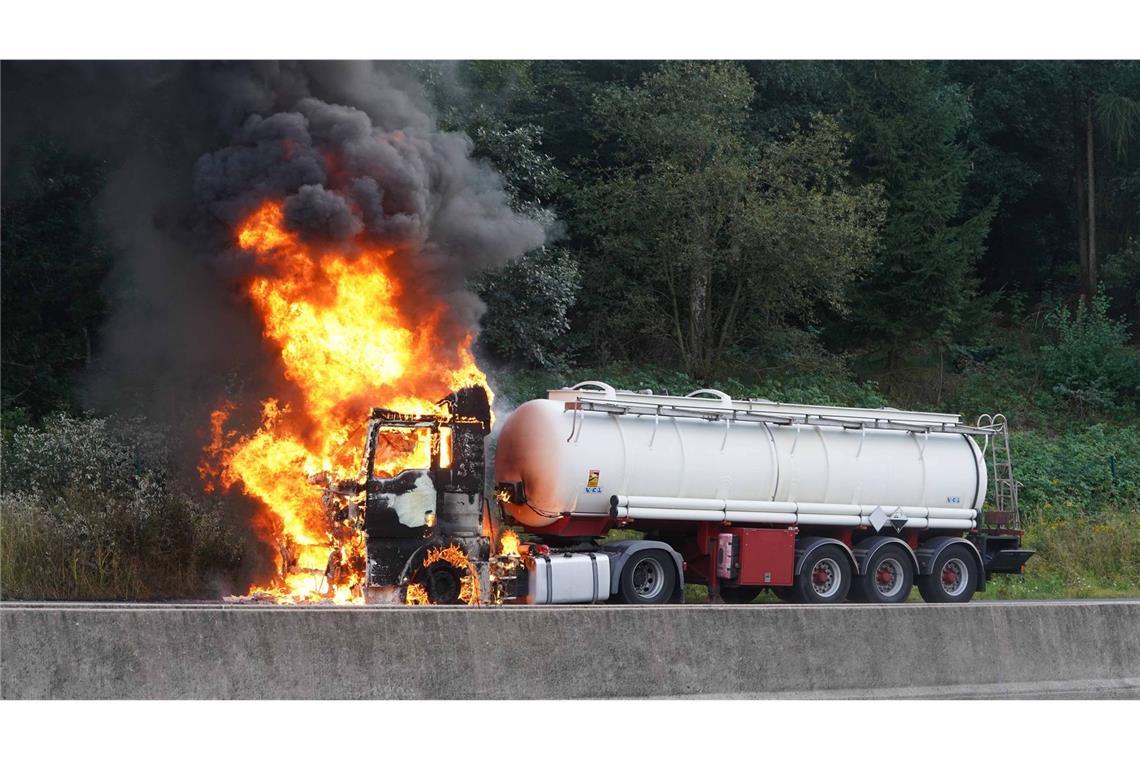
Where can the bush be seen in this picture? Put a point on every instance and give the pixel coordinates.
(1091, 363)
(527, 303)
(92, 509)
(1089, 472)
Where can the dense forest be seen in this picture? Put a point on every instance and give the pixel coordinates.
(961, 236)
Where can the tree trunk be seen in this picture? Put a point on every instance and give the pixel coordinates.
(700, 307)
(1082, 224)
(1080, 179)
(1090, 193)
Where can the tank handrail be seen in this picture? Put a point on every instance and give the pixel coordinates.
(720, 413)
(596, 384)
(727, 399)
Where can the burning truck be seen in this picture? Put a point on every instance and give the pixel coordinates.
(817, 503)
(352, 234)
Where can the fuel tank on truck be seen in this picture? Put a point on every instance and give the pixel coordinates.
(592, 451)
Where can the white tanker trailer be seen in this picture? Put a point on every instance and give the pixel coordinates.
(817, 503)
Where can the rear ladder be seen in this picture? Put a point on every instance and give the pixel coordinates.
(1004, 515)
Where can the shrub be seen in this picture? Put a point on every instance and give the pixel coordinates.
(1091, 363)
(1089, 472)
(91, 508)
(527, 304)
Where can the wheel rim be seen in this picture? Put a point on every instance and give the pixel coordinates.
(442, 583)
(889, 577)
(825, 577)
(648, 578)
(955, 576)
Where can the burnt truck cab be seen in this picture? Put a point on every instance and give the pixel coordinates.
(410, 518)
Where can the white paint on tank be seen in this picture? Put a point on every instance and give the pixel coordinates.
(572, 460)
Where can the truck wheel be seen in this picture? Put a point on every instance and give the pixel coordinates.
(951, 578)
(739, 594)
(648, 578)
(825, 577)
(888, 579)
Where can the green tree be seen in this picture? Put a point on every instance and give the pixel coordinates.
(1021, 147)
(908, 124)
(703, 231)
(528, 299)
(53, 265)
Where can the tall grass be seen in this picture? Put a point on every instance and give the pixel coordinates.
(91, 509)
(1076, 557)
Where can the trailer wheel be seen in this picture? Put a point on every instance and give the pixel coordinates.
(951, 579)
(648, 578)
(889, 577)
(739, 594)
(825, 576)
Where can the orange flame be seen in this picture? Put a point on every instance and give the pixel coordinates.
(333, 314)
(416, 594)
(509, 543)
(455, 556)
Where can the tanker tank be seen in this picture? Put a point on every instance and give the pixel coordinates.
(588, 453)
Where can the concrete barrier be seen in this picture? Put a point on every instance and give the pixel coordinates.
(252, 652)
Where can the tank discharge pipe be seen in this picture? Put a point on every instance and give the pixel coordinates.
(782, 512)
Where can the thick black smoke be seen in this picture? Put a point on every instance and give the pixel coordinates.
(351, 147)
(413, 188)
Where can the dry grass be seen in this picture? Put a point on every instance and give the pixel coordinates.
(91, 510)
(1077, 557)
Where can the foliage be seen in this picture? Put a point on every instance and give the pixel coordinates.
(528, 299)
(54, 261)
(1091, 362)
(908, 125)
(527, 304)
(714, 235)
(1087, 472)
(91, 509)
(814, 388)
(1079, 557)
(1122, 271)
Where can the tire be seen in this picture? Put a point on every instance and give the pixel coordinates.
(786, 594)
(648, 577)
(889, 577)
(739, 594)
(442, 582)
(825, 577)
(952, 579)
